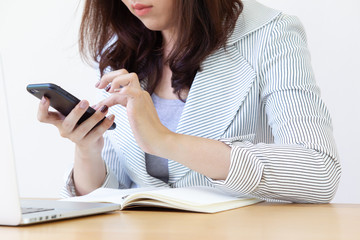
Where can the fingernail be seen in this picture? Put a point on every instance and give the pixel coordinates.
(108, 87)
(97, 84)
(83, 104)
(104, 109)
(111, 117)
(43, 100)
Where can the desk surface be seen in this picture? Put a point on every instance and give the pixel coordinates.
(260, 221)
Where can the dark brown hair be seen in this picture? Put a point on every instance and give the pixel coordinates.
(113, 37)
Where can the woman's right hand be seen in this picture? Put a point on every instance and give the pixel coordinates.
(89, 168)
(83, 135)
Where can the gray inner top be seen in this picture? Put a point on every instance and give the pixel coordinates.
(169, 112)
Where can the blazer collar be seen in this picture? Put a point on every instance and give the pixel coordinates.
(254, 16)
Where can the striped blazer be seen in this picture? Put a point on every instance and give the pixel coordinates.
(259, 96)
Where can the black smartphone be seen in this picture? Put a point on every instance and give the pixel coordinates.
(60, 100)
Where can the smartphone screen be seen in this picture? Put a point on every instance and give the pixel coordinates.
(60, 100)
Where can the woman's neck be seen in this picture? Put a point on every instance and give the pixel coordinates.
(164, 89)
(169, 38)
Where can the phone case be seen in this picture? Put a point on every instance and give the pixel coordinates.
(60, 100)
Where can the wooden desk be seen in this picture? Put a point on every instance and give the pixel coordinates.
(260, 221)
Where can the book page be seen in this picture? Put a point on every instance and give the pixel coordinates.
(191, 195)
(108, 195)
(196, 199)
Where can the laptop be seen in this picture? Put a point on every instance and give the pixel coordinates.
(15, 211)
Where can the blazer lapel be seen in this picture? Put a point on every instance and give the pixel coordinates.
(214, 98)
(135, 157)
(219, 89)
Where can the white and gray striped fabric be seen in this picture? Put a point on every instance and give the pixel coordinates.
(259, 96)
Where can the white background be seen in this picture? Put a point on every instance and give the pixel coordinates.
(38, 42)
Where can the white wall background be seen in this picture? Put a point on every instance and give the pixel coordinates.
(38, 41)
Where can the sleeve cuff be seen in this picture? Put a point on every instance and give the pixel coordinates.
(245, 171)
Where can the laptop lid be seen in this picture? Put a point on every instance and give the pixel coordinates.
(10, 211)
(10, 203)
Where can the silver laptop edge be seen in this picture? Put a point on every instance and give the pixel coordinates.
(10, 203)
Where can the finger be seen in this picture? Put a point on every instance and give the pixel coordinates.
(101, 129)
(112, 100)
(121, 81)
(72, 118)
(84, 128)
(107, 78)
(131, 92)
(45, 116)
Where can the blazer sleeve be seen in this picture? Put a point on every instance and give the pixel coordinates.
(302, 164)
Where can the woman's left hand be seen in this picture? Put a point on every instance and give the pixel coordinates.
(126, 90)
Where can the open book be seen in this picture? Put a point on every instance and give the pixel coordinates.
(195, 199)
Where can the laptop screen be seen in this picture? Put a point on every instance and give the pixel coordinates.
(9, 202)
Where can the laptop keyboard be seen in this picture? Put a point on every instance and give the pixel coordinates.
(34, 210)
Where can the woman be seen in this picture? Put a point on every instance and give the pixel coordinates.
(217, 93)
